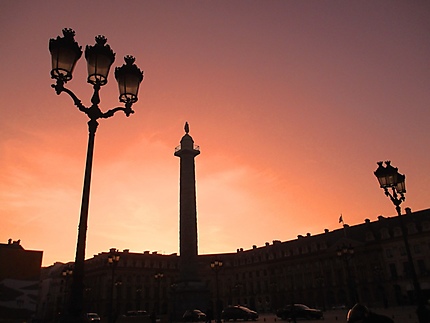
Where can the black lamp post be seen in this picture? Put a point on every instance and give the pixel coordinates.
(237, 288)
(216, 267)
(66, 274)
(65, 52)
(320, 282)
(118, 286)
(346, 253)
(158, 277)
(113, 260)
(379, 283)
(390, 178)
(138, 297)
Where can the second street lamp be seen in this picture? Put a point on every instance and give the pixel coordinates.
(65, 52)
(390, 179)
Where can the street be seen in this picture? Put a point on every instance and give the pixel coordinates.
(404, 314)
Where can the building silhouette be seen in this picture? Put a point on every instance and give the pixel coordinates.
(19, 280)
(366, 262)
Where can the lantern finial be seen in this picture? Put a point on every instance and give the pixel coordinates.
(68, 33)
(129, 59)
(101, 40)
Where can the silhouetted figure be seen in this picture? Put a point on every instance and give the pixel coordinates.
(208, 315)
(361, 314)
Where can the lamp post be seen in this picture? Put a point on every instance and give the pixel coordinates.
(346, 253)
(138, 297)
(65, 52)
(113, 260)
(118, 285)
(237, 288)
(320, 282)
(379, 282)
(389, 178)
(158, 277)
(66, 274)
(216, 267)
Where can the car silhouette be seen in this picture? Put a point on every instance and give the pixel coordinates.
(238, 312)
(194, 316)
(299, 311)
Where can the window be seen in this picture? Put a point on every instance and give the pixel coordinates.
(397, 232)
(412, 228)
(406, 269)
(393, 271)
(369, 236)
(385, 234)
(389, 253)
(422, 267)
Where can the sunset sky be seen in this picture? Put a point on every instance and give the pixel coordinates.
(291, 102)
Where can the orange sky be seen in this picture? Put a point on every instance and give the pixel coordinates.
(291, 102)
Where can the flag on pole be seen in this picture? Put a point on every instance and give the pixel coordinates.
(341, 219)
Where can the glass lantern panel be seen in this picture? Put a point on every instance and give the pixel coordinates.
(391, 180)
(128, 86)
(63, 63)
(98, 68)
(401, 187)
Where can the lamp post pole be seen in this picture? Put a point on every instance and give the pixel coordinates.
(65, 52)
(158, 277)
(320, 282)
(390, 178)
(138, 297)
(237, 288)
(216, 267)
(118, 286)
(113, 260)
(346, 253)
(66, 273)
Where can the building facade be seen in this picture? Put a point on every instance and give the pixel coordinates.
(365, 262)
(19, 280)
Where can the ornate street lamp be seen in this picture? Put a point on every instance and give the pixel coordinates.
(346, 253)
(113, 260)
(65, 52)
(216, 267)
(389, 178)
